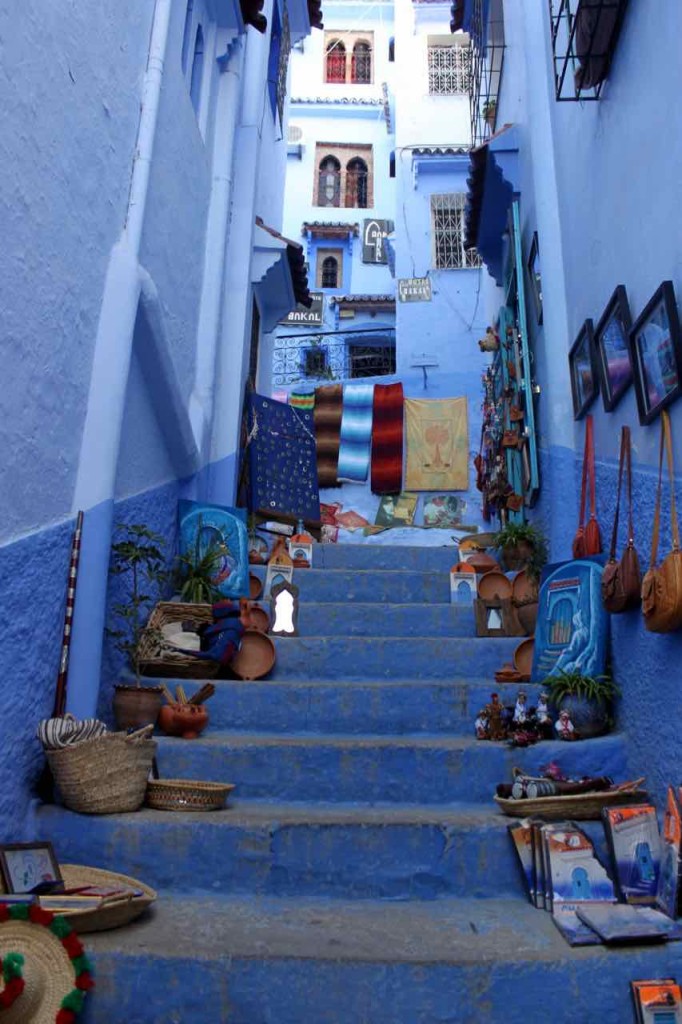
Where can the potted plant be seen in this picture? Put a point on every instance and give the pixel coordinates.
(196, 573)
(523, 547)
(489, 111)
(138, 562)
(588, 700)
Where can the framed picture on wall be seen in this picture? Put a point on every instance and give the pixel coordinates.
(612, 343)
(656, 353)
(535, 277)
(584, 382)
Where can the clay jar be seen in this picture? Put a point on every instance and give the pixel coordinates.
(185, 720)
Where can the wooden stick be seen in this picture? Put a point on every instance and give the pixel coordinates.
(206, 691)
(181, 695)
(167, 694)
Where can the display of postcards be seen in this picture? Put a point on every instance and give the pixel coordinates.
(444, 511)
(546, 868)
(620, 922)
(522, 836)
(397, 509)
(657, 1001)
(575, 874)
(632, 832)
(575, 931)
(69, 904)
(538, 866)
(667, 894)
(23, 898)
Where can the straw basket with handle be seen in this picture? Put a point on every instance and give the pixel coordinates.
(105, 775)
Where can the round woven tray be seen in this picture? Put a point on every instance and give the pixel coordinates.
(112, 913)
(187, 795)
(583, 807)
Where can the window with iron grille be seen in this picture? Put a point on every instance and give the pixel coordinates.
(329, 268)
(329, 182)
(335, 67)
(374, 360)
(315, 361)
(449, 70)
(356, 184)
(361, 65)
(283, 64)
(447, 223)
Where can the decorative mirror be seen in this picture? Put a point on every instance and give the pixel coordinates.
(284, 607)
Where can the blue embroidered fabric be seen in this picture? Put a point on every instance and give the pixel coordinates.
(282, 459)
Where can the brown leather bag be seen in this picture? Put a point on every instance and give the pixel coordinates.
(621, 583)
(662, 585)
(587, 540)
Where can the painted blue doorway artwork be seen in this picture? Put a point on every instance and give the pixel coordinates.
(572, 626)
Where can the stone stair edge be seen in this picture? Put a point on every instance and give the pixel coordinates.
(368, 739)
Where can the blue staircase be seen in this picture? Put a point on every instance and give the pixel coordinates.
(362, 874)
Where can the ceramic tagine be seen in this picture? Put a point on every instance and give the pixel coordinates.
(185, 720)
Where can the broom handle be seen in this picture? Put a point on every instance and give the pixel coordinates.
(60, 694)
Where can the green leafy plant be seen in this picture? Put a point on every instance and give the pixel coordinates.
(600, 689)
(524, 535)
(137, 558)
(196, 573)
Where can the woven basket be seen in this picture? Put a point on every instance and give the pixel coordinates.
(113, 912)
(187, 795)
(157, 659)
(581, 807)
(106, 775)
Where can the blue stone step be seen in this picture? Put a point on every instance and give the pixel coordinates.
(395, 707)
(383, 556)
(406, 769)
(350, 618)
(268, 961)
(379, 657)
(374, 586)
(340, 851)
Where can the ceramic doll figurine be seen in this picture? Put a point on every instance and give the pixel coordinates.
(520, 709)
(481, 725)
(496, 727)
(564, 727)
(543, 718)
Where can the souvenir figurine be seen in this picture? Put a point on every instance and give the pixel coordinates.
(564, 727)
(496, 727)
(489, 343)
(481, 724)
(520, 709)
(543, 719)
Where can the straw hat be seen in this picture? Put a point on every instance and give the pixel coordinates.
(48, 972)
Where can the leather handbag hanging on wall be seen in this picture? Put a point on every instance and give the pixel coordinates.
(587, 540)
(621, 585)
(662, 585)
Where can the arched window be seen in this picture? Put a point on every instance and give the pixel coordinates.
(361, 71)
(197, 70)
(329, 185)
(330, 272)
(336, 61)
(187, 34)
(356, 183)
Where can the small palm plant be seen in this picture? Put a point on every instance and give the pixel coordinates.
(137, 558)
(198, 570)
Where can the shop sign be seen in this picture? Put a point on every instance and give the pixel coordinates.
(414, 289)
(374, 233)
(303, 315)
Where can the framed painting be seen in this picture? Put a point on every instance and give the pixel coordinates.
(656, 353)
(535, 277)
(612, 346)
(29, 867)
(584, 383)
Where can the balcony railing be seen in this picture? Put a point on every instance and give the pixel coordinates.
(487, 58)
(584, 38)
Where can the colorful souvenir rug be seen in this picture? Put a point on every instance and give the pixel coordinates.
(302, 399)
(356, 432)
(437, 444)
(387, 439)
(327, 414)
(283, 471)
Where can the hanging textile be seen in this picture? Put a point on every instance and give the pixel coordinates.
(327, 414)
(282, 459)
(387, 439)
(437, 444)
(356, 432)
(302, 399)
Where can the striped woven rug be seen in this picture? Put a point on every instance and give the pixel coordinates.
(356, 432)
(387, 439)
(302, 399)
(327, 417)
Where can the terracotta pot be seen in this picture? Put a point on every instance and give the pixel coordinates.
(482, 561)
(255, 558)
(185, 720)
(255, 586)
(527, 614)
(135, 706)
(517, 556)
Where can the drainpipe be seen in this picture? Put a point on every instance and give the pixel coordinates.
(227, 113)
(96, 479)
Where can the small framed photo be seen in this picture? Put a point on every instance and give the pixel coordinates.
(584, 383)
(30, 867)
(656, 353)
(535, 277)
(612, 344)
